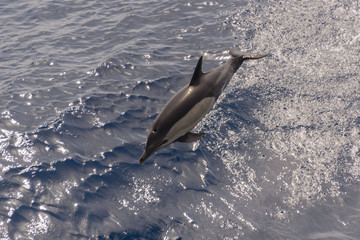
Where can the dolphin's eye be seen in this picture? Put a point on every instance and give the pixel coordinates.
(154, 130)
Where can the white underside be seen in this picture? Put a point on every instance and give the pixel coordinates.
(189, 121)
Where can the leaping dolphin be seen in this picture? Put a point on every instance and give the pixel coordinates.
(189, 105)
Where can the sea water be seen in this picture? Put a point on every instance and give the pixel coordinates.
(82, 81)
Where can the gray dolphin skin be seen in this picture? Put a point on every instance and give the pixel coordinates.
(189, 105)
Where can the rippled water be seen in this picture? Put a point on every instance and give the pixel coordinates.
(82, 81)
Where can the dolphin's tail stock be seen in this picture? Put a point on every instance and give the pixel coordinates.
(245, 56)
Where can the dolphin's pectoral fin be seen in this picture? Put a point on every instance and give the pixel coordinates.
(190, 137)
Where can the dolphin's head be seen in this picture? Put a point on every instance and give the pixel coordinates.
(156, 140)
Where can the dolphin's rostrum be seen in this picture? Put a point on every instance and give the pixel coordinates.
(188, 106)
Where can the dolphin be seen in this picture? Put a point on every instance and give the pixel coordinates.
(189, 105)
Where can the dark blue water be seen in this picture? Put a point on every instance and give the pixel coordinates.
(82, 81)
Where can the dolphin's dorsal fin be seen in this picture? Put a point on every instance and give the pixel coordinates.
(197, 73)
(190, 137)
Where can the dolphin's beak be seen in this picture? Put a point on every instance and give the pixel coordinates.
(145, 156)
(150, 150)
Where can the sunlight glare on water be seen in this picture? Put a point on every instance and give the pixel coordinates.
(82, 82)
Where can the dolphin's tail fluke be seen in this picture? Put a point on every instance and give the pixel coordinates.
(245, 56)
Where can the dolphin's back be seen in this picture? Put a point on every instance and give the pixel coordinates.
(178, 106)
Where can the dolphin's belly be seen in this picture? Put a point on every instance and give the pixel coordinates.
(191, 118)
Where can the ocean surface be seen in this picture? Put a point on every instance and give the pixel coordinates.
(81, 83)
